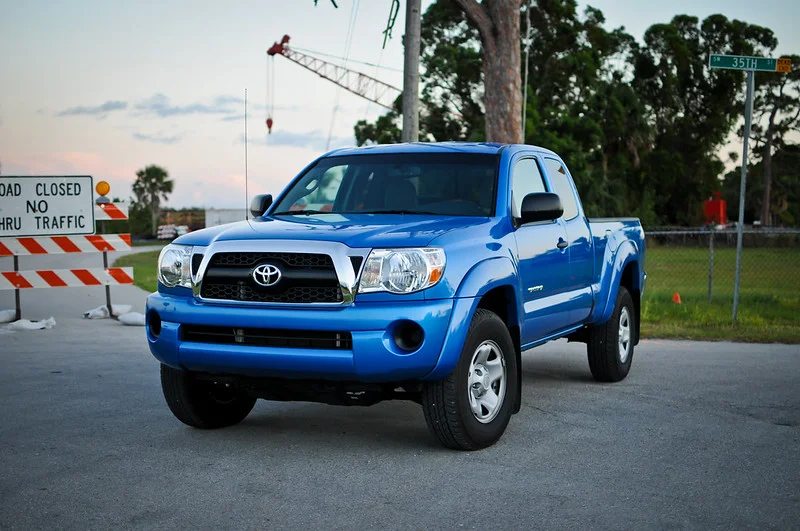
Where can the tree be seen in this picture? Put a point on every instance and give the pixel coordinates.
(497, 22)
(451, 86)
(383, 131)
(152, 186)
(692, 108)
(776, 113)
(640, 127)
(785, 197)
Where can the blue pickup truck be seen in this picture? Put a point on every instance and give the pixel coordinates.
(410, 271)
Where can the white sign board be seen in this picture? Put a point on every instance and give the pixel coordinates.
(46, 206)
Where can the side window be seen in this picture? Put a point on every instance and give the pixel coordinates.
(560, 181)
(526, 179)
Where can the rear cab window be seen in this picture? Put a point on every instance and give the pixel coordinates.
(559, 180)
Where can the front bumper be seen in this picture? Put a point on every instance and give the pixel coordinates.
(374, 357)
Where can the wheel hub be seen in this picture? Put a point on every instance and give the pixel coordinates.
(487, 381)
(480, 380)
(624, 334)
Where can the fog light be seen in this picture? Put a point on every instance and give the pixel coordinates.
(408, 336)
(154, 323)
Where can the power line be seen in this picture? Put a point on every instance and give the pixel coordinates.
(527, 53)
(394, 9)
(347, 46)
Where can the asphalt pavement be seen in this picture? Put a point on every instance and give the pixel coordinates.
(700, 435)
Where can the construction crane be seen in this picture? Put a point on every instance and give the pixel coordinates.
(358, 83)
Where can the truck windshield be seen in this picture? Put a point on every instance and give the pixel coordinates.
(447, 184)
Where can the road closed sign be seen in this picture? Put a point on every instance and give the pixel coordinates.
(46, 206)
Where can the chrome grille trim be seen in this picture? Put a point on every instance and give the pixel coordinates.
(339, 253)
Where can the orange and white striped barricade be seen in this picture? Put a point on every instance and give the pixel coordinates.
(110, 211)
(63, 278)
(66, 278)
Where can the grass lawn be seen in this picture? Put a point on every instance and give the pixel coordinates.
(769, 295)
(148, 243)
(144, 269)
(769, 303)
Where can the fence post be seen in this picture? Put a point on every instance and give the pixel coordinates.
(16, 291)
(710, 263)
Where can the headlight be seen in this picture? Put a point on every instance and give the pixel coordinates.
(174, 266)
(402, 270)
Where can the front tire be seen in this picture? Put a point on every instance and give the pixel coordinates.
(610, 345)
(203, 404)
(470, 409)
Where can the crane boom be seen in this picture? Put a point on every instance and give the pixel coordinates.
(359, 84)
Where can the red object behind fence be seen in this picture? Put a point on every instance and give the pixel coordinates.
(716, 210)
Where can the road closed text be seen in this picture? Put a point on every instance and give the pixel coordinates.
(40, 206)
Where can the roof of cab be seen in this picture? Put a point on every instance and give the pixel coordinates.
(488, 148)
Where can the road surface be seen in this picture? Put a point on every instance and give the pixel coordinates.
(700, 435)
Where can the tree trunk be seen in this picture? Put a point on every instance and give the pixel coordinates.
(765, 199)
(497, 22)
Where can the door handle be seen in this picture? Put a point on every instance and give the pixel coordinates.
(562, 243)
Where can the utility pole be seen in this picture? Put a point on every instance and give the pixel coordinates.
(411, 44)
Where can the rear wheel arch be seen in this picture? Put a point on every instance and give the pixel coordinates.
(630, 281)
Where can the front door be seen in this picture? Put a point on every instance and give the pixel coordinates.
(543, 265)
(579, 239)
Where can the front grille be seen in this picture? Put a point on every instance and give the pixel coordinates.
(298, 260)
(267, 337)
(302, 295)
(305, 278)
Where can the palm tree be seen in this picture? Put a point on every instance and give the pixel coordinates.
(152, 186)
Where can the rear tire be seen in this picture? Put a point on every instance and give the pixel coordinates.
(470, 409)
(203, 404)
(610, 345)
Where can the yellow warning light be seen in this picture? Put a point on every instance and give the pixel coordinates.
(102, 188)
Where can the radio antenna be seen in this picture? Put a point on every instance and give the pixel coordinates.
(246, 206)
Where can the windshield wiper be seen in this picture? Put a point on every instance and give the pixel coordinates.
(300, 212)
(397, 211)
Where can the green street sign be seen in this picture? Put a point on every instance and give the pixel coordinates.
(740, 62)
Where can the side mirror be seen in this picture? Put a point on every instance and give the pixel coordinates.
(541, 207)
(260, 204)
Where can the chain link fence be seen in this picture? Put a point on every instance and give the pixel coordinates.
(691, 275)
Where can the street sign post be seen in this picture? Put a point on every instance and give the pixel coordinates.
(46, 206)
(749, 65)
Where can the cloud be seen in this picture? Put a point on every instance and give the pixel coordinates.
(158, 138)
(161, 106)
(310, 139)
(96, 110)
(240, 116)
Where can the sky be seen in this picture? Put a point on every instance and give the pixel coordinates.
(92, 87)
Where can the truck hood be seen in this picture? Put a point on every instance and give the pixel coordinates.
(354, 230)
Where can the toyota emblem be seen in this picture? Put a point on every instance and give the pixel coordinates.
(266, 275)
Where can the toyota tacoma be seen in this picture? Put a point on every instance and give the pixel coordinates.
(409, 271)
